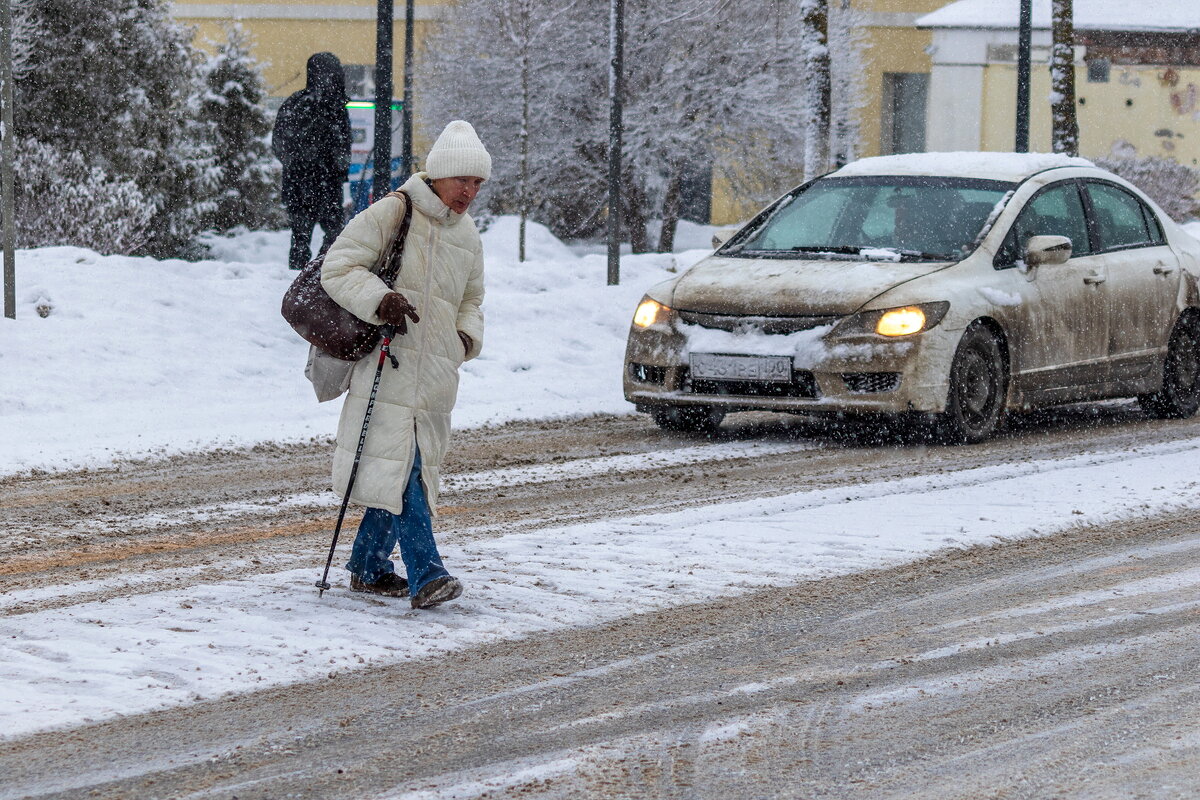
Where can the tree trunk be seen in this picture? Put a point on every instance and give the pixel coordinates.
(523, 189)
(817, 85)
(670, 211)
(1065, 134)
(635, 218)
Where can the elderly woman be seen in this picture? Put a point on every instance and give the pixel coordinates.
(435, 305)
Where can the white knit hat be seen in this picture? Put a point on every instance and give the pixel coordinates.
(458, 152)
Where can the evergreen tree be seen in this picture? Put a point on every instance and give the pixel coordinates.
(247, 187)
(119, 81)
(60, 200)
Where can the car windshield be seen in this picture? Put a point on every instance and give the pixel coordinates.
(887, 218)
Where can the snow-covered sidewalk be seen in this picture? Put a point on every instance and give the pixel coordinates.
(140, 357)
(94, 660)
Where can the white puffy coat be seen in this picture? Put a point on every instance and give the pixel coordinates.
(442, 276)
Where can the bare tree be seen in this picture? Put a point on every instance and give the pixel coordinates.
(1065, 123)
(710, 85)
(509, 67)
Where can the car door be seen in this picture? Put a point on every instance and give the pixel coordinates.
(1061, 336)
(1143, 278)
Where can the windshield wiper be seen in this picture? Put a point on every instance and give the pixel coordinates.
(919, 255)
(874, 252)
(837, 250)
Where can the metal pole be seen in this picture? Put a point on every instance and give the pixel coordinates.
(382, 182)
(406, 159)
(615, 69)
(6, 162)
(1024, 70)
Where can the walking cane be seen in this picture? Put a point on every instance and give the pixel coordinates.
(385, 352)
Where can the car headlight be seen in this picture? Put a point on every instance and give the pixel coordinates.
(650, 312)
(893, 322)
(901, 321)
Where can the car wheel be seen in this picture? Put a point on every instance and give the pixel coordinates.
(1180, 393)
(689, 419)
(978, 388)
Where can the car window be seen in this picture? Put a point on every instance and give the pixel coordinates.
(811, 221)
(1057, 211)
(1120, 220)
(898, 217)
(1156, 231)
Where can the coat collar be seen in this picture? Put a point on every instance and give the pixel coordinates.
(428, 203)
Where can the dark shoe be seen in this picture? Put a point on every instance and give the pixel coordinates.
(437, 591)
(390, 585)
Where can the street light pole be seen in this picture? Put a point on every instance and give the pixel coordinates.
(382, 182)
(1024, 70)
(7, 153)
(406, 159)
(615, 69)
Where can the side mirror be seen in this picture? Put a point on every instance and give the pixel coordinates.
(722, 235)
(1047, 250)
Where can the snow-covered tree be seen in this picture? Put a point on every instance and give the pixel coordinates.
(708, 82)
(1064, 122)
(710, 79)
(247, 187)
(118, 81)
(61, 200)
(518, 63)
(510, 67)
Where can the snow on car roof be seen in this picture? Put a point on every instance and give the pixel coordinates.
(1104, 15)
(994, 166)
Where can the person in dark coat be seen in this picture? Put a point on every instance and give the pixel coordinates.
(312, 141)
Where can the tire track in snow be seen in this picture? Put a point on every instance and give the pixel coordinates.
(575, 469)
(203, 637)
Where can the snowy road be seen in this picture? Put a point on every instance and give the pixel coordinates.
(647, 615)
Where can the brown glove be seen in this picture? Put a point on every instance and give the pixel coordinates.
(467, 342)
(393, 309)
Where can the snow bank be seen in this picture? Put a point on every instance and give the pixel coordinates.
(139, 357)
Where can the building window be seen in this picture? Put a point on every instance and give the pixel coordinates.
(1098, 69)
(903, 123)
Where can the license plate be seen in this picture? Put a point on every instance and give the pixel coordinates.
(713, 367)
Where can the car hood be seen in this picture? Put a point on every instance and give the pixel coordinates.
(777, 287)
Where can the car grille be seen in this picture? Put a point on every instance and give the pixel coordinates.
(871, 382)
(803, 384)
(647, 373)
(771, 325)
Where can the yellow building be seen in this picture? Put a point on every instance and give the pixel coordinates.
(896, 70)
(1137, 69)
(937, 75)
(286, 32)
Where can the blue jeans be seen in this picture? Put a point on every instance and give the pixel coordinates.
(381, 530)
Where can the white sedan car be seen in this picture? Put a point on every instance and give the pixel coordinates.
(953, 285)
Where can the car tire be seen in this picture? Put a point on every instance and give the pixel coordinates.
(978, 388)
(1180, 393)
(688, 419)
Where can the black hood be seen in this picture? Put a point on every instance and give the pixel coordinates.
(326, 79)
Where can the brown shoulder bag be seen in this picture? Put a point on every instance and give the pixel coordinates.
(323, 323)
